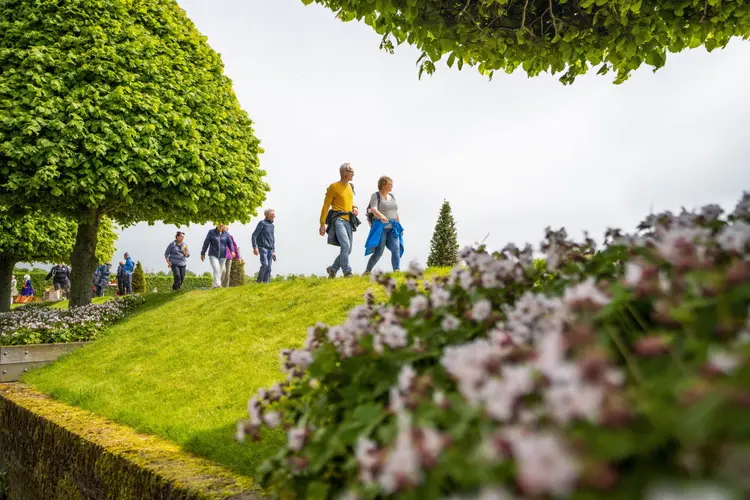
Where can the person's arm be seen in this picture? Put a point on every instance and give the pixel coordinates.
(254, 237)
(205, 244)
(374, 208)
(49, 275)
(326, 205)
(230, 245)
(167, 252)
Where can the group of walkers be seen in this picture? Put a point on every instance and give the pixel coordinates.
(222, 249)
(338, 220)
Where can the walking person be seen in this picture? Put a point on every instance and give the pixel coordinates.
(13, 289)
(121, 278)
(101, 279)
(338, 219)
(60, 275)
(176, 256)
(264, 244)
(216, 242)
(227, 269)
(385, 230)
(127, 274)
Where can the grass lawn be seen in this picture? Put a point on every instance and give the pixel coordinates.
(184, 365)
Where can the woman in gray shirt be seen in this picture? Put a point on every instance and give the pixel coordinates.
(176, 256)
(384, 207)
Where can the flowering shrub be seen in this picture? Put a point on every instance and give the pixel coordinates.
(613, 373)
(37, 324)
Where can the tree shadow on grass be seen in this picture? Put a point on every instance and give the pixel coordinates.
(220, 446)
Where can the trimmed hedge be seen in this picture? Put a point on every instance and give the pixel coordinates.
(155, 282)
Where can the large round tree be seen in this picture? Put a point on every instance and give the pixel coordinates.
(566, 36)
(42, 238)
(119, 108)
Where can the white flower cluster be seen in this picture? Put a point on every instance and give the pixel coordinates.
(535, 367)
(47, 319)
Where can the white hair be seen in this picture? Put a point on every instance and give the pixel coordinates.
(267, 211)
(343, 168)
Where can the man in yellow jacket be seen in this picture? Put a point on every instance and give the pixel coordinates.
(338, 208)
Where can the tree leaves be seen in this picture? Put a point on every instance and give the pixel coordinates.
(554, 36)
(123, 109)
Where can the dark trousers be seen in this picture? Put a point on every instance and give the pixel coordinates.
(179, 276)
(266, 258)
(127, 283)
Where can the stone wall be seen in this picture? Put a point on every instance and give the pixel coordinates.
(50, 450)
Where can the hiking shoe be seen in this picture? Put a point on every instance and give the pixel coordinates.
(348, 275)
(366, 273)
(331, 272)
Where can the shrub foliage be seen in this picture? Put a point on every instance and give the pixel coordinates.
(38, 324)
(618, 373)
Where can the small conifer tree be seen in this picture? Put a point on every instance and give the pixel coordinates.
(444, 244)
(237, 273)
(139, 279)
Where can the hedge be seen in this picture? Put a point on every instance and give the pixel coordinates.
(156, 282)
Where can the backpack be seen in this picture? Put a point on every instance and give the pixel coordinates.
(370, 215)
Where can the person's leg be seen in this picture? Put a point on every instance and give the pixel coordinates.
(264, 264)
(216, 266)
(375, 257)
(395, 247)
(344, 235)
(269, 264)
(175, 277)
(181, 276)
(226, 273)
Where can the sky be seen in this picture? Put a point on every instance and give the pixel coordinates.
(511, 155)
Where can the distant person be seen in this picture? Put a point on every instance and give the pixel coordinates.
(101, 279)
(338, 219)
(176, 256)
(27, 292)
(216, 242)
(13, 289)
(127, 274)
(121, 278)
(227, 269)
(385, 229)
(60, 275)
(264, 244)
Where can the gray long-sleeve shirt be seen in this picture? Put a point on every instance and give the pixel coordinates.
(176, 254)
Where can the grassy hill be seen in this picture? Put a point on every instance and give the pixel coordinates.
(184, 365)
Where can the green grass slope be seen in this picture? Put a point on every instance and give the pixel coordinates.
(184, 365)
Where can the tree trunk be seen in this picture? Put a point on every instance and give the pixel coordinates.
(6, 275)
(83, 262)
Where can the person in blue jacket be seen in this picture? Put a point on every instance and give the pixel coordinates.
(264, 244)
(386, 230)
(216, 243)
(127, 274)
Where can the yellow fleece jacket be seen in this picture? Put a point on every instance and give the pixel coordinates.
(339, 197)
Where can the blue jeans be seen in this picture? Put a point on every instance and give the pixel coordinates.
(343, 230)
(266, 259)
(388, 238)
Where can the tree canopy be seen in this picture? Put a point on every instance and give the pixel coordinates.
(120, 108)
(568, 36)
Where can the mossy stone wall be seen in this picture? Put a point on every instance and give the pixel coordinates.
(52, 451)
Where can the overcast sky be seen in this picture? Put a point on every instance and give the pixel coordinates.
(512, 155)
